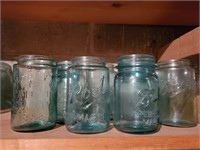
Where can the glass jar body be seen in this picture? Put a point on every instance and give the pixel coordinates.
(136, 98)
(177, 92)
(87, 109)
(112, 73)
(6, 86)
(34, 94)
(62, 90)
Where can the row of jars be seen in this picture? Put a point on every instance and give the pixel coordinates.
(78, 93)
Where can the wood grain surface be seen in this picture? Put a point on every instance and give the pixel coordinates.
(112, 12)
(185, 46)
(60, 138)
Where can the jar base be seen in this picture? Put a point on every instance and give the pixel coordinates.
(136, 128)
(60, 121)
(181, 123)
(34, 126)
(87, 128)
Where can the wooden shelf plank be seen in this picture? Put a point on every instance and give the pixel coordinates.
(185, 46)
(120, 12)
(102, 143)
(166, 138)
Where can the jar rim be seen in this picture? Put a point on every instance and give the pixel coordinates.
(4, 65)
(111, 65)
(136, 60)
(88, 61)
(64, 64)
(132, 56)
(173, 63)
(35, 60)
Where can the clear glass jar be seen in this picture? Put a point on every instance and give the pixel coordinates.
(112, 73)
(34, 93)
(177, 92)
(62, 89)
(6, 86)
(197, 69)
(87, 109)
(136, 95)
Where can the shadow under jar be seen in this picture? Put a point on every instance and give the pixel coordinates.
(136, 95)
(177, 102)
(87, 109)
(34, 91)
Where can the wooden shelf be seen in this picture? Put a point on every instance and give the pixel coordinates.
(185, 46)
(119, 12)
(60, 138)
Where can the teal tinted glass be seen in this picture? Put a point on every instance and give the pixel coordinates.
(34, 91)
(87, 109)
(136, 95)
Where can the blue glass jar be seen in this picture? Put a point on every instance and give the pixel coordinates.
(177, 93)
(62, 89)
(34, 93)
(112, 73)
(136, 95)
(87, 109)
(6, 87)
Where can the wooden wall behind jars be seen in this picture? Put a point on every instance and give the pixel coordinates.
(66, 40)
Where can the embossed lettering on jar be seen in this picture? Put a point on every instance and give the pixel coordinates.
(177, 93)
(87, 109)
(34, 91)
(136, 95)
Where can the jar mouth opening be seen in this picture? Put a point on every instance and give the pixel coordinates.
(35, 60)
(88, 61)
(173, 63)
(136, 60)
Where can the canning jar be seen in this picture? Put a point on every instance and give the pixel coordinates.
(62, 89)
(87, 109)
(34, 93)
(196, 70)
(112, 73)
(6, 86)
(177, 92)
(136, 94)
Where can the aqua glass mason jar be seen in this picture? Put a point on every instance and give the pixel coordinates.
(177, 93)
(6, 86)
(34, 93)
(87, 109)
(112, 73)
(136, 94)
(62, 89)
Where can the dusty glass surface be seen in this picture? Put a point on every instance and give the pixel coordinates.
(88, 96)
(62, 89)
(112, 73)
(136, 95)
(6, 86)
(34, 89)
(177, 93)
